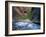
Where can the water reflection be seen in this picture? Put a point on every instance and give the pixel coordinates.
(25, 26)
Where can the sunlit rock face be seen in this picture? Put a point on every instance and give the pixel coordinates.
(25, 26)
